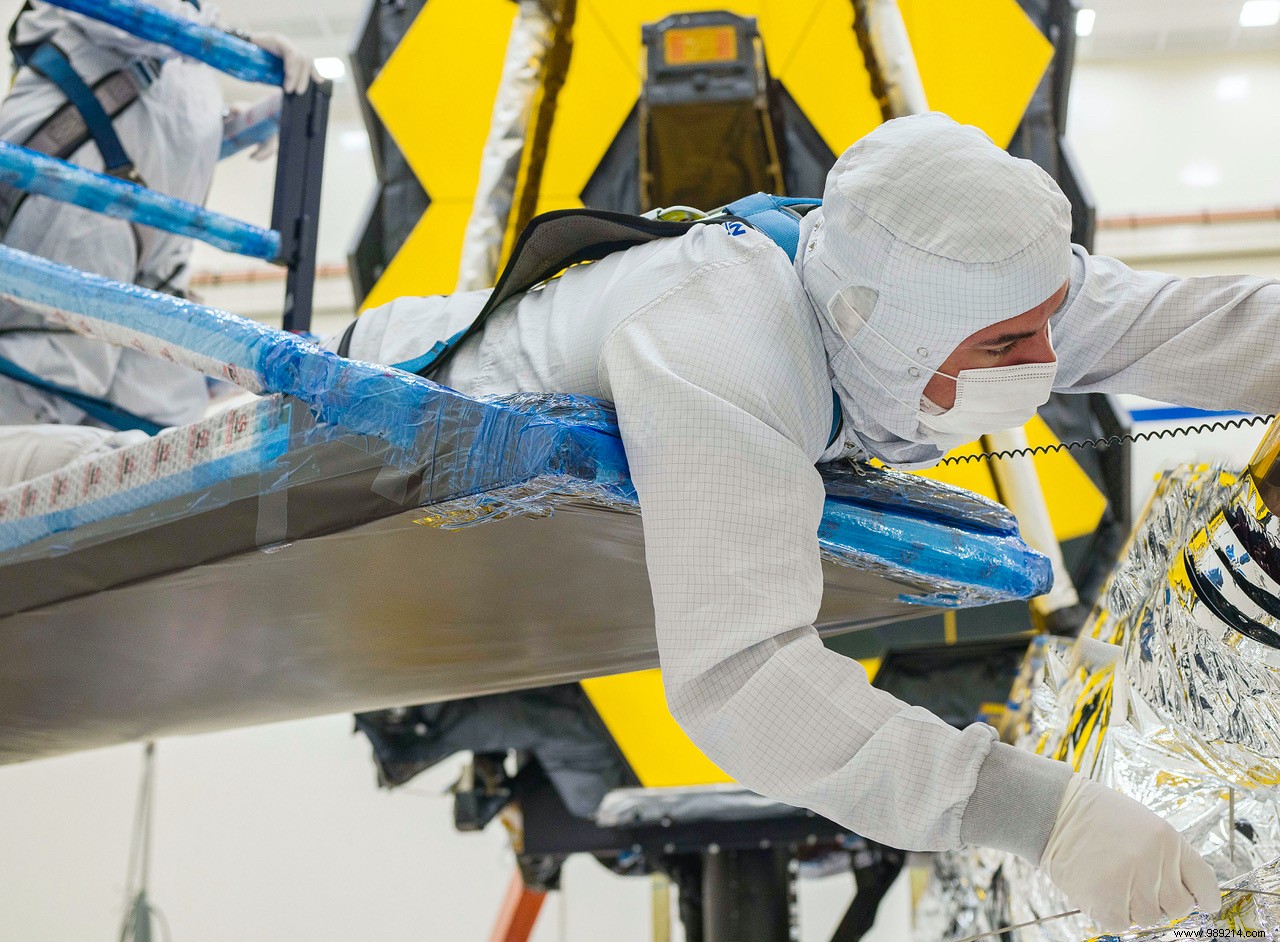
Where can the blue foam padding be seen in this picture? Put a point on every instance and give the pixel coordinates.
(33, 172)
(532, 452)
(217, 48)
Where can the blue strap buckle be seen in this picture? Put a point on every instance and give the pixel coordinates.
(421, 365)
(146, 71)
(774, 216)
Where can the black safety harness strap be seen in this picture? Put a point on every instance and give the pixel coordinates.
(49, 61)
(86, 116)
(65, 131)
(549, 244)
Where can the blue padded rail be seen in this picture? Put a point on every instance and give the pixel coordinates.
(364, 398)
(474, 460)
(493, 460)
(33, 172)
(217, 48)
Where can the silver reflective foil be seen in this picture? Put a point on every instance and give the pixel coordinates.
(531, 36)
(1171, 696)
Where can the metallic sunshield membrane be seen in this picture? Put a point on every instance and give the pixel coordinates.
(433, 546)
(1171, 696)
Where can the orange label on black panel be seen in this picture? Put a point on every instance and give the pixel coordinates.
(700, 44)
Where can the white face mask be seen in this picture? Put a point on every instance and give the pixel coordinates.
(988, 400)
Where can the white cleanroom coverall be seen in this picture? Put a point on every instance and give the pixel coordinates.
(720, 355)
(28, 451)
(172, 133)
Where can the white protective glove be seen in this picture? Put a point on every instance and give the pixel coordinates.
(298, 69)
(265, 150)
(240, 113)
(1122, 864)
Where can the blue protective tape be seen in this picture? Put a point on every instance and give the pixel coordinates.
(33, 172)
(217, 48)
(1004, 566)
(531, 451)
(1172, 413)
(407, 411)
(274, 444)
(242, 344)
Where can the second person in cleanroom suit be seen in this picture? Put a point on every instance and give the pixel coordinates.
(938, 292)
(172, 133)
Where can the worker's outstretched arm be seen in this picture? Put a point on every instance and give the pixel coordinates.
(1211, 342)
(723, 399)
(721, 390)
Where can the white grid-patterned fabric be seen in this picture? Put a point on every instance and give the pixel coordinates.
(721, 370)
(935, 233)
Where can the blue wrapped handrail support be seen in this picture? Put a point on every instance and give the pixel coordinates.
(215, 47)
(33, 172)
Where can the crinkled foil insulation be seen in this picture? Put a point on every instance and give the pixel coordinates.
(531, 36)
(1171, 696)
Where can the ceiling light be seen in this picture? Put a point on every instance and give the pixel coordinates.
(1233, 87)
(331, 67)
(1260, 13)
(1201, 173)
(1084, 21)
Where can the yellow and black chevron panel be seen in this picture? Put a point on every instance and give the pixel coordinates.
(431, 97)
(430, 79)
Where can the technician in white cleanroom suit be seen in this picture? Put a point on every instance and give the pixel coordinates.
(924, 292)
(935, 255)
(172, 133)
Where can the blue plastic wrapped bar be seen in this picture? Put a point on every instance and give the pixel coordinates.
(474, 461)
(217, 48)
(480, 462)
(364, 398)
(260, 566)
(38, 173)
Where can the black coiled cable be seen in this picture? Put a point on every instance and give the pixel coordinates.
(1220, 425)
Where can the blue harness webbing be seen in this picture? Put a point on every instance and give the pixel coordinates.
(47, 59)
(105, 412)
(52, 63)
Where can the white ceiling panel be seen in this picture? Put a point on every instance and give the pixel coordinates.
(1143, 28)
(1123, 28)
